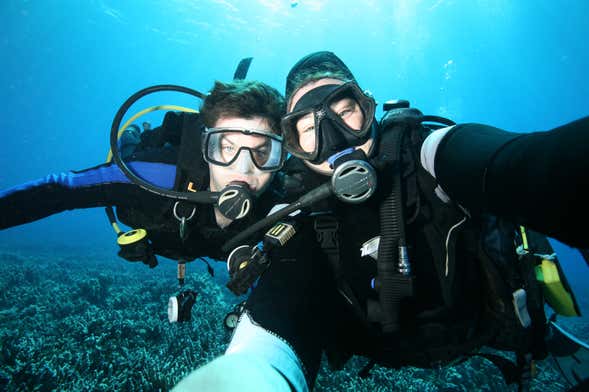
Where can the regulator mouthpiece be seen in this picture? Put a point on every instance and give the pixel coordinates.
(235, 201)
(354, 179)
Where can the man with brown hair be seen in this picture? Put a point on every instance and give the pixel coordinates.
(235, 139)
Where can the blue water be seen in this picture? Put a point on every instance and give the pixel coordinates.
(68, 65)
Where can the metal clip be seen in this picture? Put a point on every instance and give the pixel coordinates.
(183, 220)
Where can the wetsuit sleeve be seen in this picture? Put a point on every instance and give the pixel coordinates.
(98, 186)
(539, 179)
(256, 342)
(290, 299)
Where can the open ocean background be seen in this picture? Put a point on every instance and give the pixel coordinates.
(73, 316)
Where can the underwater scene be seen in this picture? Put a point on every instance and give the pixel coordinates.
(80, 312)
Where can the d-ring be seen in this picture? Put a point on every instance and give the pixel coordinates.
(185, 218)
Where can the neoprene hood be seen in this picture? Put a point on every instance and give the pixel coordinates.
(322, 61)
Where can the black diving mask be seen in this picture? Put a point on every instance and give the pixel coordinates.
(328, 120)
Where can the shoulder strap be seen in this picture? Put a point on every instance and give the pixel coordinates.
(192, 169)
(327, 230)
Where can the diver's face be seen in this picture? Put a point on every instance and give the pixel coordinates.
(243, 169)
(347, 108)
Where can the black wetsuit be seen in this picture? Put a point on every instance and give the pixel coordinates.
(106, 185)
(297, 298)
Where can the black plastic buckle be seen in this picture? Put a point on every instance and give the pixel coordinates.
(326, 228)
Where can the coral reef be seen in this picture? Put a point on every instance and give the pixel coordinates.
(75, 321)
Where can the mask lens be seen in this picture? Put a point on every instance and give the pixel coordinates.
(300, 136)
(350, 107)
(223, 146)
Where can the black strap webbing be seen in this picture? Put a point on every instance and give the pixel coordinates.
(326, 227)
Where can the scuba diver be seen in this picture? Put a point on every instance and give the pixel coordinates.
(226, 155)
(430, 249)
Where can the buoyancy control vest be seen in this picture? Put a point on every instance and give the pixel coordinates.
(170, 143)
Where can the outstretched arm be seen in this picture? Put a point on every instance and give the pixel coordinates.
(539, 179)
(98, 186)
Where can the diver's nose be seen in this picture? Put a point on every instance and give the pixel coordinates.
(244, 163)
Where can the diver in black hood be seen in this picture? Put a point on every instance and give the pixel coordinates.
(472, 163)
(393, 268)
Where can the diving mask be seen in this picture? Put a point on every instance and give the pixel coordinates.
(224, 146)
(328, 120)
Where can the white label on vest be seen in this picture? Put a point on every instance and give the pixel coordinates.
(370, 248)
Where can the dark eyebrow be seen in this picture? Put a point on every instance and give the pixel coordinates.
(346, 101)
(224, 139)
(263, 143)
